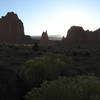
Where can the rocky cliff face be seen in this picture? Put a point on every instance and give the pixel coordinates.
(11, 29)
(78, 36)
(44, 39)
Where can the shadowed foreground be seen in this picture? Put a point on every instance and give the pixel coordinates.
(24, 69)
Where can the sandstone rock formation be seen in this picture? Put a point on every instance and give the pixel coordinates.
(11, 29)
(75, 35)
(64, 40)
(78, 36)
(44, 39)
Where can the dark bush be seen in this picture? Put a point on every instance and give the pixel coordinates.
(44, 68)
(35, 47)
(79, 88)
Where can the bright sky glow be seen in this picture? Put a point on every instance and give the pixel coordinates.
(55, 16)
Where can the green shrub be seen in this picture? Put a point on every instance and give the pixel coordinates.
(79, 88)
(44, 68)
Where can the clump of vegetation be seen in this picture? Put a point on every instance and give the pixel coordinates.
(44, 68)
(35, 46)
(80, 88)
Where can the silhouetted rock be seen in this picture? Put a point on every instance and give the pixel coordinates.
(64, 40)
(97, 36)
(44, 39)
(77, 36)
(11, 29)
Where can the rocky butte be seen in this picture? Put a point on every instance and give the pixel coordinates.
(44, 39)
(12, 29)
(77, 36)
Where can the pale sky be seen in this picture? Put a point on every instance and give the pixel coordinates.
(55, 16)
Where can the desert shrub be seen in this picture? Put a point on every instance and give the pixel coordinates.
(44, 68)
(35, 47)
(79, 88)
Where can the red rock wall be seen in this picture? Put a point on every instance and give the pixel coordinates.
(11, 29)
(77, 36)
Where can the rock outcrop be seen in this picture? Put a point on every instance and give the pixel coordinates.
(75, 35)
(44, 39)
(78, 36)
(11, 29)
